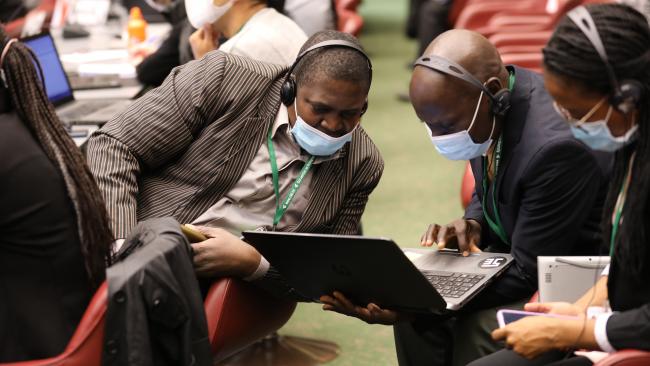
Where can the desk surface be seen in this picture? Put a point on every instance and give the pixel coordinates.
(90, 50)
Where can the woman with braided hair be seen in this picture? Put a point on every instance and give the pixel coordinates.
(597, 69)
(55, 239)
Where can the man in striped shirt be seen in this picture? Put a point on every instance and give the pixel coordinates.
(214, 146)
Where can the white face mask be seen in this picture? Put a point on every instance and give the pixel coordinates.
(203, 12)
(459, 145)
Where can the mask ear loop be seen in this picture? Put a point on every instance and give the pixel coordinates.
(2, 60)
(478, 105)
(494, 123)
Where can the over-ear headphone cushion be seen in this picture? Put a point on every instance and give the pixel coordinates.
(628, 96)
(502, 105)
(288, 91)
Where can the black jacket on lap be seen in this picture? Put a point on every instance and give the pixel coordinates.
(155, 311)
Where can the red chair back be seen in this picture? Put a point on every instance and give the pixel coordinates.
(85, 346)
(239, 313)
(467, 186)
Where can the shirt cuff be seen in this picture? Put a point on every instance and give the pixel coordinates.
(261, 270)
(600, 332)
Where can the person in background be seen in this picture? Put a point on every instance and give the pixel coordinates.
(311, 15)
(607, 107)
(12, 9)
(253, 30)
(55, 240)
(539, 191)
(175, 50)
(427, 19)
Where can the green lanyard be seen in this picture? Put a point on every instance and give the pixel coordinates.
(495, 224)
(281, 208)
(620, 202)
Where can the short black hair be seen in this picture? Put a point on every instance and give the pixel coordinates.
(339, 63)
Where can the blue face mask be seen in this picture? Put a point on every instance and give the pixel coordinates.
(459, 145)
(315, 142)
(596, 134)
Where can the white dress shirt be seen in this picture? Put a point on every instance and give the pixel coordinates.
(267, 36)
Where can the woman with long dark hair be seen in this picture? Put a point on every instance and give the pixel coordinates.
(55, 240)
(606, 100)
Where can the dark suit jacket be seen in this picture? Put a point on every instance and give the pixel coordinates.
(629, 296)
(44, 287)
(551, 188)
(155, 312)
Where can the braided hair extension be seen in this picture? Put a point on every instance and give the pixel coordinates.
(27, 98)
(626, 37)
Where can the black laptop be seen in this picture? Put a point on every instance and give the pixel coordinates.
(377, 270)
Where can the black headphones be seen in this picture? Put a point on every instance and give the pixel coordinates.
(627, 94)
(499, 102)
(288, 90)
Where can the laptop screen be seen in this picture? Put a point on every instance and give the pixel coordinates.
(56, 82)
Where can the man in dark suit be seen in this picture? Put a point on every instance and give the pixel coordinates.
(213, 146)
(547, 186)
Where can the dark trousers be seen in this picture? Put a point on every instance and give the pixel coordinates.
(432, 21)
(455, 338)
(509, 358)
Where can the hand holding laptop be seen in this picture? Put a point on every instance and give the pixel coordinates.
(371, 313)
(222, 253)
(460, 234)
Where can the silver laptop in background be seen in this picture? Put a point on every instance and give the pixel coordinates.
(59, 91)
(568, 278)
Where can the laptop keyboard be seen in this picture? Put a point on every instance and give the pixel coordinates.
(452, 284)
(83, 109)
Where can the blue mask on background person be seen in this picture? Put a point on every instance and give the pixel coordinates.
(315, 142)
(459, 145)
(597, 135)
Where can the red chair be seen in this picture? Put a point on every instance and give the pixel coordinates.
(85, 346)
(348, 20)
(626, 358)
(351, 5)
(467, 186)
(477, 15)
(520, 42)
(239, 314)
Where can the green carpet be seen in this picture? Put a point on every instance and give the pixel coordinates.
(418, 187)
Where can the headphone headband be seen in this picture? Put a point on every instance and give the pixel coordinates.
(581, 17)
(288, 91)
(625, 95)
(500, 102)
(452, 68)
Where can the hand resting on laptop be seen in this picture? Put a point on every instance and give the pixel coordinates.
(460, 234)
